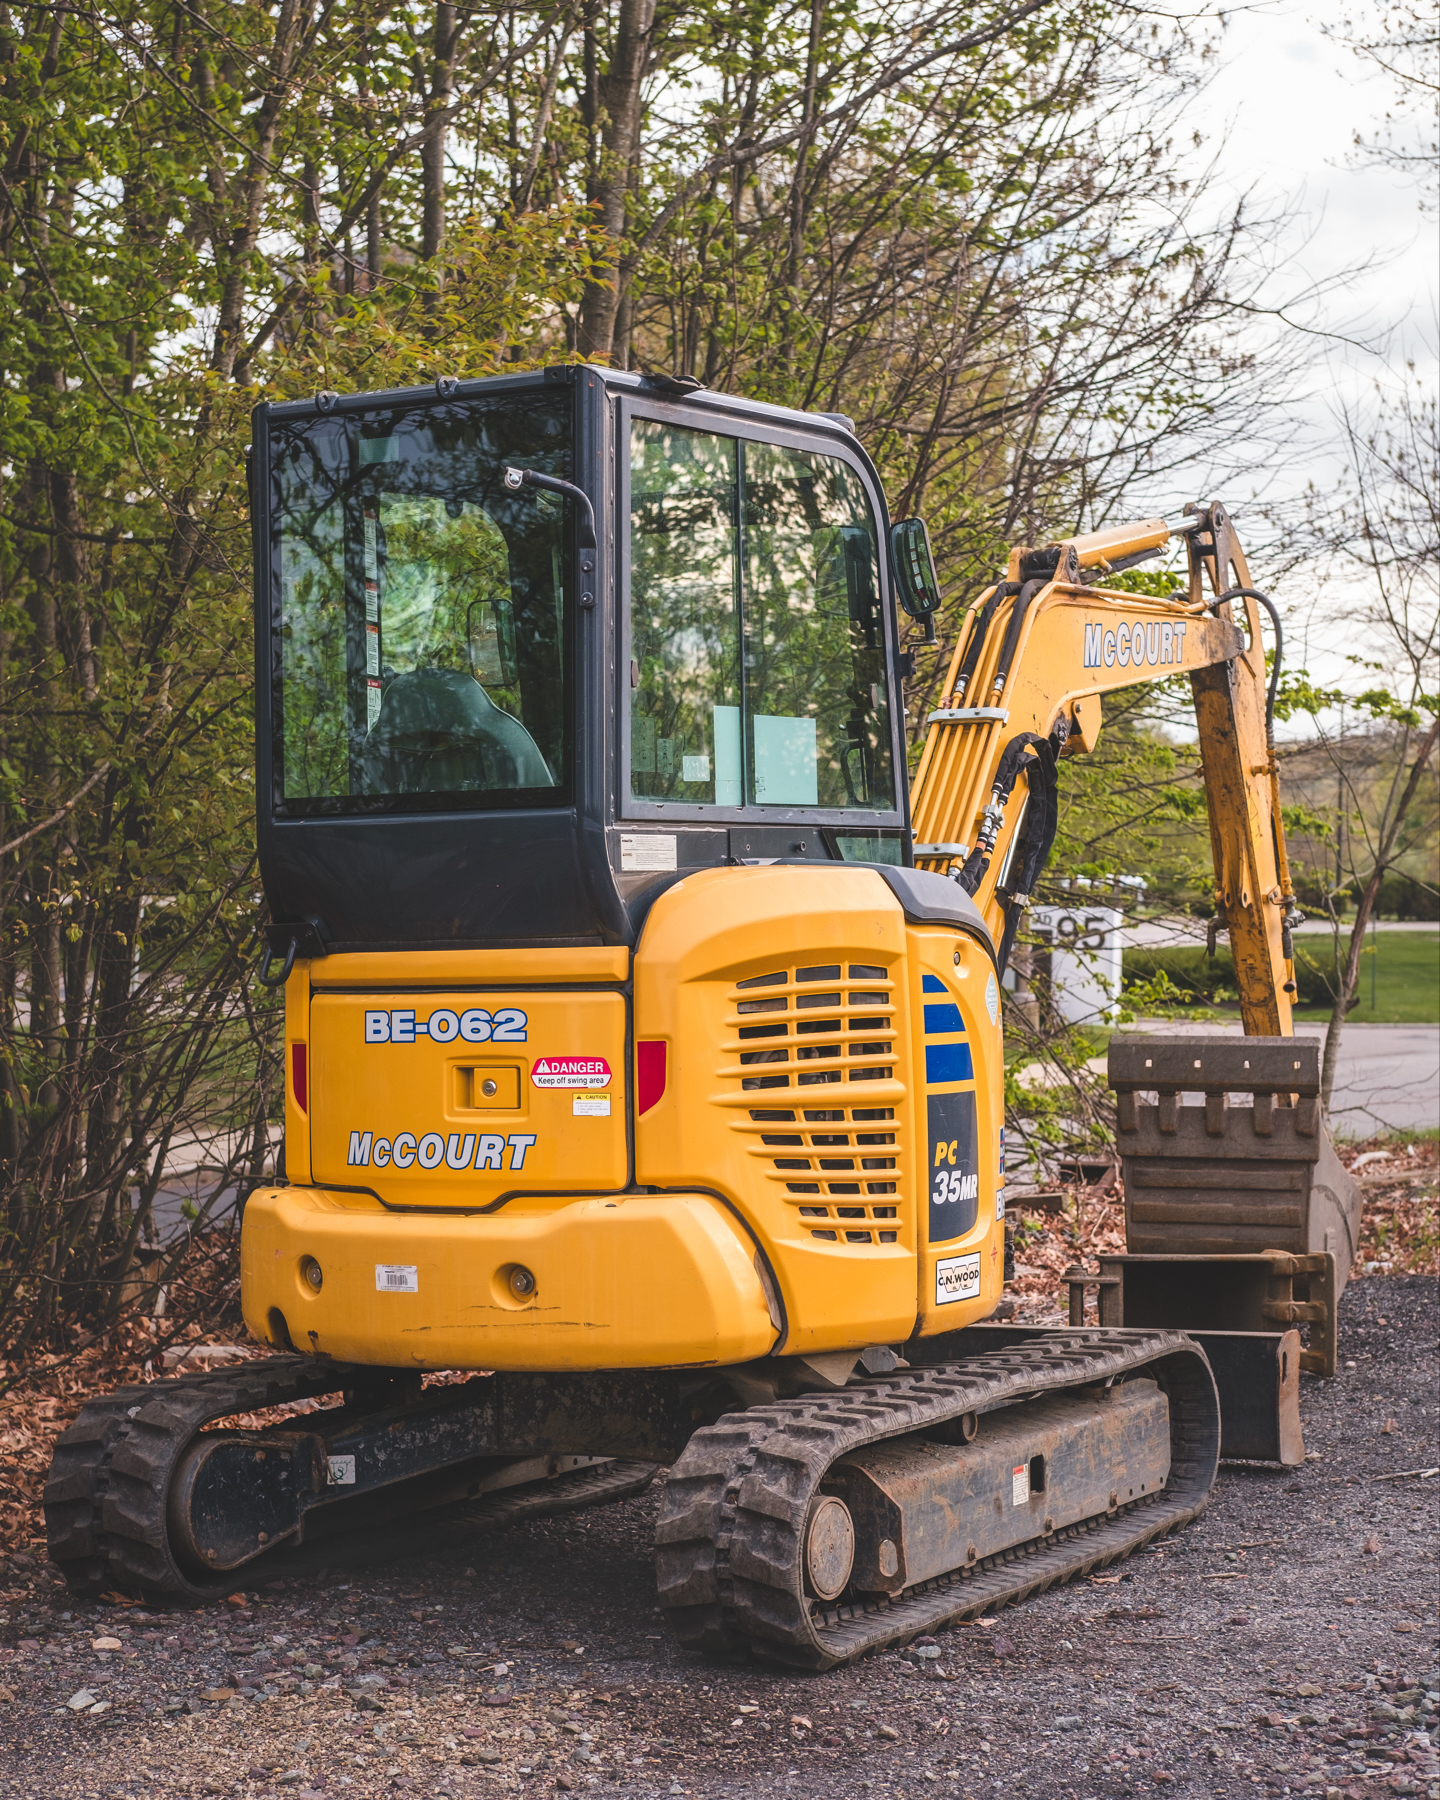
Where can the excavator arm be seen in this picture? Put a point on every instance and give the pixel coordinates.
(1032, 658)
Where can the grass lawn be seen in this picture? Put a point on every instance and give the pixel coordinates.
(1402, 970)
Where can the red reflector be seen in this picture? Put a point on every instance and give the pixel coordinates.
(299, 1077)
(649, 1073)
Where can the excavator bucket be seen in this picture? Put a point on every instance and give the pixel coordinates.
(1249, 1167)
(1240, 1221)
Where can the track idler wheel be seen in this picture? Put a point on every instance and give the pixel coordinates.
(829, 1548)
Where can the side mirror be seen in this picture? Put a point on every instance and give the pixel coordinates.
(914, 569)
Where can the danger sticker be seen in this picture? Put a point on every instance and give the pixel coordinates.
(957, 1278)
(571, 1072)
(1020, 1484)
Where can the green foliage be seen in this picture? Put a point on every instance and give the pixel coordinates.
(1158, 584)
(1296, 694)
(1134, 805)
(161, 272)
(926, 221)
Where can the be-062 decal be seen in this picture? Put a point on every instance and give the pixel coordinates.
(507, 1025)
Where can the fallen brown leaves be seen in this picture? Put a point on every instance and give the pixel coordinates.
(46, 1393)
(1091, 1223)
(1400, 1224)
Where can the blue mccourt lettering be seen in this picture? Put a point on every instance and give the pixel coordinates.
(432, 1150)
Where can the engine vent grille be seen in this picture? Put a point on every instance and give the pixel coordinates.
(813, 1051)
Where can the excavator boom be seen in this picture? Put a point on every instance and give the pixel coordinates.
(1031, 661)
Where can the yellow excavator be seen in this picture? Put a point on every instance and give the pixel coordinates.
(643, 1034)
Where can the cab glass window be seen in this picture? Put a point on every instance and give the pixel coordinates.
(419, 620)
(758, 656)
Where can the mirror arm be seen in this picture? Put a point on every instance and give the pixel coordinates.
(515, 479)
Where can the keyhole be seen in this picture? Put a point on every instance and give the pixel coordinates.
(489, 1088)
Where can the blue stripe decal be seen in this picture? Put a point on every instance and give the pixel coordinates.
(931, 984)
(943, 1018)
(948, 1062)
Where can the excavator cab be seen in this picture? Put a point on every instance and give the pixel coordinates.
(580, 732)
(478, 729)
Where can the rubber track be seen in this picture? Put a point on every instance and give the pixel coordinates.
(730, 1534)
(111, 1472)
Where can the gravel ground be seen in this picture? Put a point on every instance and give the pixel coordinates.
(1284, 1644)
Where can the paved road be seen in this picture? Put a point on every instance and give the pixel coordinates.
(1171, 934)
(1387, 1079)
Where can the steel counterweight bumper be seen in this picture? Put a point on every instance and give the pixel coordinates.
(550, 1282)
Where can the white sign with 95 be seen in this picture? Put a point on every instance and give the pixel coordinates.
(473, 1026)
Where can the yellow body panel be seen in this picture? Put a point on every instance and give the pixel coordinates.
(399, 1100)
(488, 968)
(634, 1281)
(802, 1100)
(789, 1002)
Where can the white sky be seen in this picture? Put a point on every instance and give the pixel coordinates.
(1293, 100)
(1279, 120)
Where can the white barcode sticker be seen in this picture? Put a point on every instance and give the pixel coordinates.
(397, 1278)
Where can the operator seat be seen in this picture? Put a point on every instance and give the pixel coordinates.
(439, 732)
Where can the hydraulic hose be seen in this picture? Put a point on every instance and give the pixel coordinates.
(1003, 589)
(1245, 593)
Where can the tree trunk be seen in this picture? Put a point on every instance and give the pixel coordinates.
(1350, 976)
(432, 150)
(525, 188)
(802, 169)
(620, 109)
(234, 255)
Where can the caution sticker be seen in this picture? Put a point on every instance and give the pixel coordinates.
(1020, 1484)
(571, 1072)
